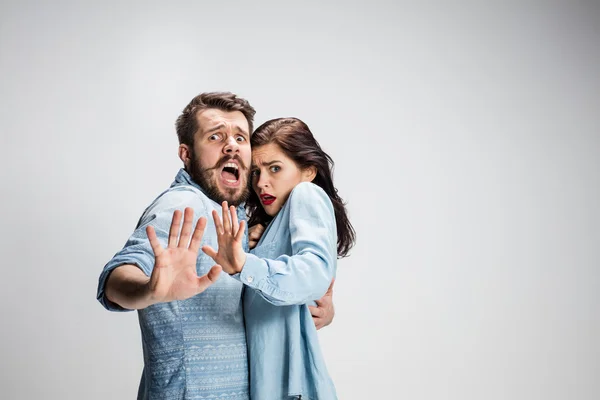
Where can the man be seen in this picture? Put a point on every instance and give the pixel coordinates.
(192, 326)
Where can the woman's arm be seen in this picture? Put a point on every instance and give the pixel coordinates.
(297, 279)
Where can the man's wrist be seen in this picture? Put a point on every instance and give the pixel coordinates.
(147, 296)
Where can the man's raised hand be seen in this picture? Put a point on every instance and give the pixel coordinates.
(174, 275)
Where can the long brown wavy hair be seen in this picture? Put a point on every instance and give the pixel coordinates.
(298, 143)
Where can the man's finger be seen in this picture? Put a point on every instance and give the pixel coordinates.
(186, 230)
(174, 230)
(154, 243)
(316, 312)
(319, 323)
(198, 233)
(330, 289)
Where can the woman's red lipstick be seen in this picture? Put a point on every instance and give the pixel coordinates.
(267, 199)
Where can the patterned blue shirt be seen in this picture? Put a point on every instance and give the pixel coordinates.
(195, 348)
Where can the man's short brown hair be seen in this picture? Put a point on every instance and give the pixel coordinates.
(187, 124)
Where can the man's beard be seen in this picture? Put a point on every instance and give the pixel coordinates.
(207, 179)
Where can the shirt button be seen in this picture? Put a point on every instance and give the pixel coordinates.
(249, 279)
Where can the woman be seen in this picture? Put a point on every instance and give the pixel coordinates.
(307, 228)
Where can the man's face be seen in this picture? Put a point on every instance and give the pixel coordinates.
(221, 155)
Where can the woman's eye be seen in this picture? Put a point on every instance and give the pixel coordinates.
(255, 173)
(275, 168)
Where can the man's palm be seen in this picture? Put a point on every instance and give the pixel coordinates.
(174, 276)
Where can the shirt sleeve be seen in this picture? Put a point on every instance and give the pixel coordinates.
(137, 249)
(306, 274)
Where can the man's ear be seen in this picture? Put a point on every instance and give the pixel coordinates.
(308, 174)
(185, 155)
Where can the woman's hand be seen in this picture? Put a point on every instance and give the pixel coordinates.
(231, 255)
(255, 232)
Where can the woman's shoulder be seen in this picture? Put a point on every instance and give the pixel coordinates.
(310, 197)
(308, 190)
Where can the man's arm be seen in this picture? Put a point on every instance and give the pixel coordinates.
(127, 286)
(143, 272)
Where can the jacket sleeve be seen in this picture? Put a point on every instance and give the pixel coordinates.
(306, 274)
(137, 249)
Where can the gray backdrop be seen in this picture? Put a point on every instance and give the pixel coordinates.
(466, 137)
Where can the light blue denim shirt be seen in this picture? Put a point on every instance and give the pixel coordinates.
(292, 265)
(195, 348)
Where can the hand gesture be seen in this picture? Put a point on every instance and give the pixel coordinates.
(324, 312)
(231, 255)
(255, 232)
(174, 275)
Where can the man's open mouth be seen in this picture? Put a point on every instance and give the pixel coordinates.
(230, 172)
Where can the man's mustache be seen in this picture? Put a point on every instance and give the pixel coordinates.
(225, 160)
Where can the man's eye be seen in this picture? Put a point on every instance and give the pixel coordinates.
(275, 168)
(213, 137)
(240, 139)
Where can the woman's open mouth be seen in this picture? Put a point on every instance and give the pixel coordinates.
(267, 199)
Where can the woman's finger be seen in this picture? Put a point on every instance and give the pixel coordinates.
(226, 219)
(234, 221)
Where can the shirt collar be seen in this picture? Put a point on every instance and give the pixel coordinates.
(184, 178)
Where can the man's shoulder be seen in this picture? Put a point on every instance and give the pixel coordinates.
(184, 186)
(182, 193)
(178, 197)
(185, 189)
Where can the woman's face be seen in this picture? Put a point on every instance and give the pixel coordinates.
(274, 175)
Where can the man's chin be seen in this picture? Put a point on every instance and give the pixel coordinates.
(233, 195)
(216, 189)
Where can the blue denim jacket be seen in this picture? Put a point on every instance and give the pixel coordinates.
(195, 348)
(292, 265)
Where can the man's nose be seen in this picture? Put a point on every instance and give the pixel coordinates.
(231, 146)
